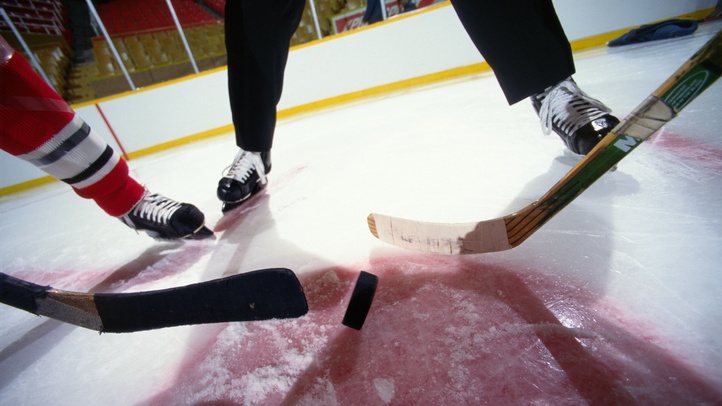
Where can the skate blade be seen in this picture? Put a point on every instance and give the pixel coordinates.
(232, 206)
(258, 190)
(201, 234)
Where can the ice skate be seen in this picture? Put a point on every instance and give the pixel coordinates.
(165, 219)
(578, 119)
(245, 177)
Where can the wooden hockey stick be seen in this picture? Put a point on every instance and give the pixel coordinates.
(507, 232)
(258, 295)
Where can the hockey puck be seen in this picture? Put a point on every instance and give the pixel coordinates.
(361, 299)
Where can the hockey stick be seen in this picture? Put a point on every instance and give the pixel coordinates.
(258, 295)
(507, 232)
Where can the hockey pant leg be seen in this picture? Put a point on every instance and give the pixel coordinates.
(258, 35)
(522, 40)
(38, 126)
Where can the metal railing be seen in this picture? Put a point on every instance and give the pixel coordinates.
(329, 18)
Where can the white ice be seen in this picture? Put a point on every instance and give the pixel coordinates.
(646, 237)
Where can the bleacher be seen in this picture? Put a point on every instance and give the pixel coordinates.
(55, 62)
(148, 43)
(146, 39)
(41, 24)
(153, 49)
(34, 16)
(131, 16)
(150, 40)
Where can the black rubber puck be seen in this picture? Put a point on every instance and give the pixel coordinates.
(361, 299)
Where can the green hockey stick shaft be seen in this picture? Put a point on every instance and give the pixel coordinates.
(507, 232)
(688, 82)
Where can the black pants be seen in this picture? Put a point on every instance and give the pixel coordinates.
(522, 40)
(258, 33)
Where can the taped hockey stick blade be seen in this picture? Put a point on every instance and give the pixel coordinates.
(258, 295)
(361, 299)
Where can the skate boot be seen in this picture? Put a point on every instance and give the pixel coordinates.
(578, 119)
(245, 177)
(165, 219)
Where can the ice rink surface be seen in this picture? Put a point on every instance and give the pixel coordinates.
(617, 300)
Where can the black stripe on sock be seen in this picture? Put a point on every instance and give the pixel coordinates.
(93, 168)
(65, 147)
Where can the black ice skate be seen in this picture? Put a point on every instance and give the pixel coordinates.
(245, 178)
(165, 219)
(578, 119)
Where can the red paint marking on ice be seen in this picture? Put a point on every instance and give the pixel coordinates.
(441, 330)
(154, 264)
(66, 279)
(689, 149)
(233, 217)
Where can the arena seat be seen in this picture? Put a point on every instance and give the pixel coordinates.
(133, 16)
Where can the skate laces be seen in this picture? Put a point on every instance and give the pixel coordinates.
(156, 208)
(243, 164)
(570, 107)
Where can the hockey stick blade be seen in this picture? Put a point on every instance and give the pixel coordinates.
(507, 232)
(259, 295)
